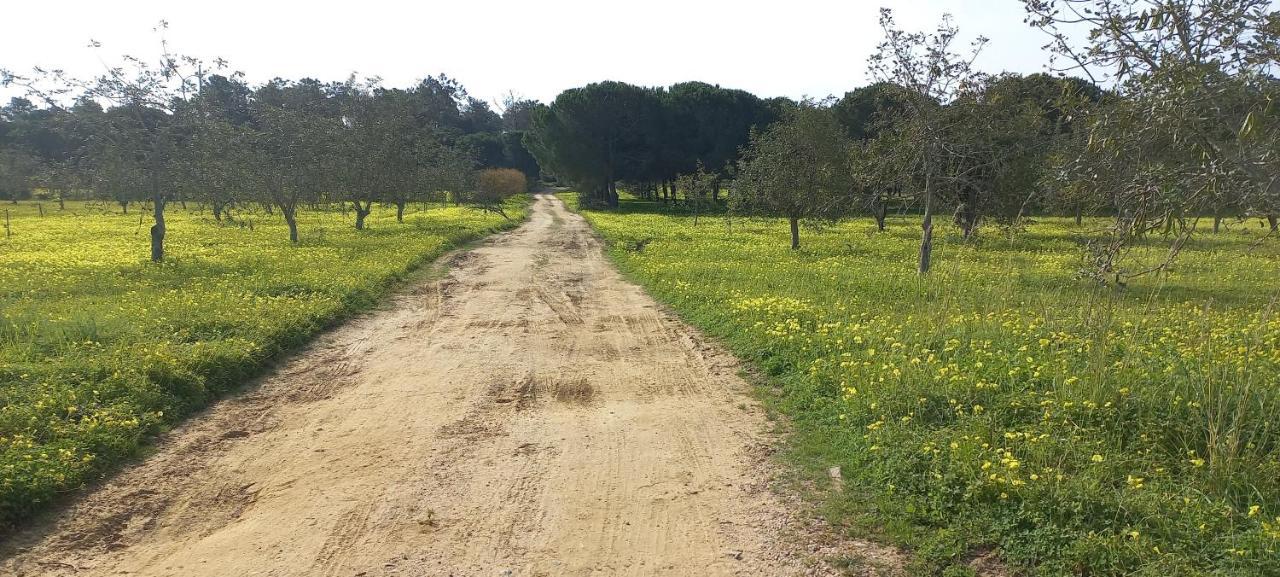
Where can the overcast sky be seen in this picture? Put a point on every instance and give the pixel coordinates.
(535, 48)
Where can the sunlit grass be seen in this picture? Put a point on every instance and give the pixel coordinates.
(1002, 401)
(99, 347)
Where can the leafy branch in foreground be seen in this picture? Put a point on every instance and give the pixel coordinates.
(1191, 127)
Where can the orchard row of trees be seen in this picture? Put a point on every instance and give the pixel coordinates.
(1186, 128)
(155, 134)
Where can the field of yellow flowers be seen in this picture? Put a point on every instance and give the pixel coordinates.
(100, 348)
(1002, 404)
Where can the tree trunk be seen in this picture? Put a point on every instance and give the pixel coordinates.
(926, 239)
(715, 190)
(361, 212)
(1217, 222)
(1079, 214)
(795, 232)
(217, 211)
(878, 210)
(400, 211)
(291, 218)
(158, 230)
(967, 219)
(612, 197)
(124, 206)
(62, 202)
(1271, 221)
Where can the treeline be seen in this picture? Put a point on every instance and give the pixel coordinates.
(1186, 129)
(156, 135)
(609, 132)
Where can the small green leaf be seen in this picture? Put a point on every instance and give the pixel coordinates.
(1247, 127)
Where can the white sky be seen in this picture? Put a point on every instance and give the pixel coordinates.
(536, 48)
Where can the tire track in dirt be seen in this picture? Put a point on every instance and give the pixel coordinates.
(529, 414)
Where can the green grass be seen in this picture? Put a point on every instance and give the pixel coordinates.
(1001, 403)
(100, 348)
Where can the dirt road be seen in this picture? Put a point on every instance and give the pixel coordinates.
(530, 413)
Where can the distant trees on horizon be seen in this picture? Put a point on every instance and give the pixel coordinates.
(155, 134)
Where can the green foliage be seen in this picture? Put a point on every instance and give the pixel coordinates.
(1184, 133)
(998, 403)
(99, 349)
(607, 132)
(796, 168)
(597, 135)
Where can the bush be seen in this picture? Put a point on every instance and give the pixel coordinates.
(494, 186)
(499, 184)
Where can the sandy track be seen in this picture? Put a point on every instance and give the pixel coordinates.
(531, 413)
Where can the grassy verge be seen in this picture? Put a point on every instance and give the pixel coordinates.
(1001, 404)
(99, 348)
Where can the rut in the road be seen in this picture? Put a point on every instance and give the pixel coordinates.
(530, 412)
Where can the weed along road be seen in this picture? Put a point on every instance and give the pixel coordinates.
(528, 413)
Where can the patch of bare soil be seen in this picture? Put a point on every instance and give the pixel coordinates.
(529, 414)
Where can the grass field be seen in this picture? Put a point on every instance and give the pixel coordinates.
(100, 348)
(1002, 404)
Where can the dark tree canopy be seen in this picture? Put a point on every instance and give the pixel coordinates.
(607, 132)
(599, 134)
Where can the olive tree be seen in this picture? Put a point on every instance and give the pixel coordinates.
(797, 168)
(138, 143)
(1190, 128)
(925, 65)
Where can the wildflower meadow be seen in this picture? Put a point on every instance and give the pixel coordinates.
(1002, 402)
(101, 348)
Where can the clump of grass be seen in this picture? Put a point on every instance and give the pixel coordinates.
(99, 348)
(1000, 402)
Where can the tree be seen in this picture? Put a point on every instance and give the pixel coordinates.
(517, 113)
(493, 187)
(924, 65)
(515, 154)
(597, 135)
(291, 146)
(137, 142)
(17, 170)
(996, 140)
(699, 190)
(796, 168)
(866, 111)
(478, 117)
(865, 114)
(437, 103)
(442, 170)
(708, 125)
(377, 147)
(1191, 80)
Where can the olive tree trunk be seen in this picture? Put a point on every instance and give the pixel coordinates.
(362, 211)
(158, 230)
(926, 239)
(291, 218)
